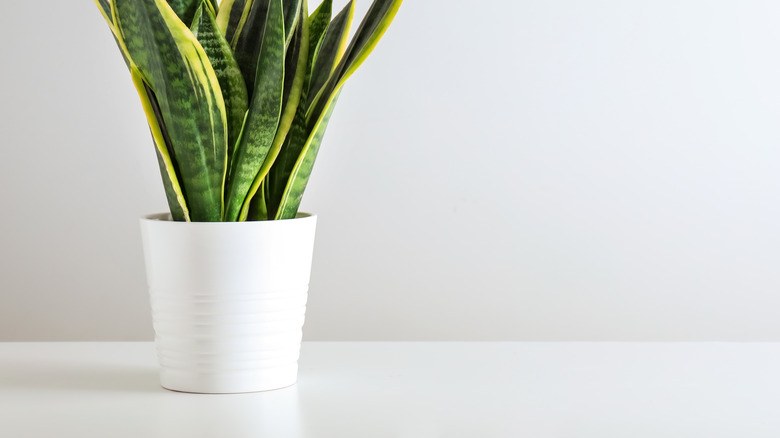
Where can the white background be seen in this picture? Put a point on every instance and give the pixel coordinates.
(497, 170)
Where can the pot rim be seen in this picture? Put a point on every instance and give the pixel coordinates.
(165, 217)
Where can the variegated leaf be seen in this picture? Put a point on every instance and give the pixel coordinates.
(173, 192)
(105, 10)
(295, 73)
(258, 210)
(318, 25)
(368, 34)
(204, 27)
(299, 178)
(373, 26)
(231, 18)
(264, 111)
(189, 97)
(330, 52)
(185, 9)
(176, 202)
(292, 13)
(249, 38)
(276, 180)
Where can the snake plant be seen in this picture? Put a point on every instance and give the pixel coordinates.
(238, 94)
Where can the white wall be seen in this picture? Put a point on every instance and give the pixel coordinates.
(497, 170)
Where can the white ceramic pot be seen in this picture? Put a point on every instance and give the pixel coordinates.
(228, 301)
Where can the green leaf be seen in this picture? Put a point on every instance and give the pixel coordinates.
(279, 174)
(299, 178)
(330, 52)
(295, 140)
(248, 40)
(294, 63)
(204, 27)
(292, 13)
(368, 34)
(223, 16)
(318, 24)
(258, 210)
(231, 18)
(173, 192)
(188, 94)
(295, 68)
(264, 111)
(214, 6)
(105, 10)
(245, 22)
(185, 9)
(373, 26)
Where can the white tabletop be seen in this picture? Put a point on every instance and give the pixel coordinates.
(406, 390)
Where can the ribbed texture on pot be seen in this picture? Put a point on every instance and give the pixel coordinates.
(228, 301)
(223, 341)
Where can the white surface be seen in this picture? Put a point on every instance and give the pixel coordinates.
(407, 390)
(228, 301)
(498, 170)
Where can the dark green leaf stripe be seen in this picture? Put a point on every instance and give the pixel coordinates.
(248, 41)
(231, 18)
(299, 178)
(318, 24)
(204, 27)
(264, 112)
(185, 9)
(295, 72)
(368, 34)
(332, 48)
(173, 191)
(188, 93)
(292, 13)
(292, 59)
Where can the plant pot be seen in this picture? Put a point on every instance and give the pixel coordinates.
(228, 301)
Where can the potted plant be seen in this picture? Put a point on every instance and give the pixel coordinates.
(237, 96)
